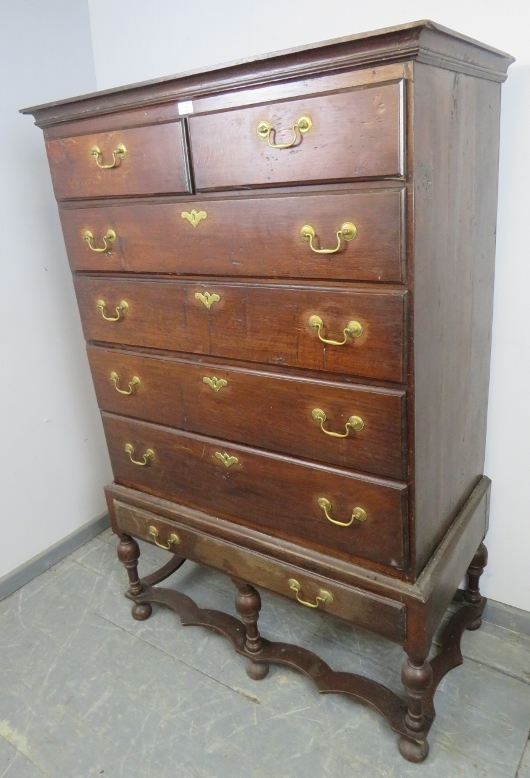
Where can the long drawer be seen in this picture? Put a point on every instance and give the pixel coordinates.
(142, 160)
(268, 323)
(352, 134)
(293, 499)
(280, 412)
(248, 236)
(369, 610)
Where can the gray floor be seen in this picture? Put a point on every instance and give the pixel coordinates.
(87, 691)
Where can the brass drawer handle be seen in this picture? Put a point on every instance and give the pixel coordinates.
(348, 231)
(358, 514)
(194, 217)
(134, 383)
(215, 383)
(354, 423)
(207, 299)
(89, 237)
(121, 310)
(226, 459)
(117, 155)
(264, 129)
(146, 459)
(323, 596)
(353, 329)
(172, 540)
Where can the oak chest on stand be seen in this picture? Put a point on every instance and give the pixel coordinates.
(284, 270)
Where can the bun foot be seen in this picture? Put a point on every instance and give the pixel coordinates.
(476, 624)
(257, 670)
(413, 751)
(141, 611)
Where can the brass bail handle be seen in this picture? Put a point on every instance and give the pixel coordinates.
(134, 383)
(121, 310)
(117, 155)
(353, 329)
(354, 423)
(358, 514)
(173, 539)
(348, 231)
(146, 459)
(264, 130)
(322, 597)
(89, 237)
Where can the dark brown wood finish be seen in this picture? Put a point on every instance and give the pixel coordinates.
(354, 134)
(174, 392)
(455, 202)
(404, 144)
(255, 322)
(154, 162)
(156, 238)
(372, 611)
(268, 491)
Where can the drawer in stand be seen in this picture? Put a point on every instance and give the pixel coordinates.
(385, 616)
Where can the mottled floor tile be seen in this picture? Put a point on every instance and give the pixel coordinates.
(88, 691)
(500, 649)
(524, 766)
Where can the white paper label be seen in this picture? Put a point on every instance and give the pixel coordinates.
(185, 108)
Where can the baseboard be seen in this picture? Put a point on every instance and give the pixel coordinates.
(42, 562)
(508, 617)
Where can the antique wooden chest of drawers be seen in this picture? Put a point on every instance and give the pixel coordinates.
(284, 270)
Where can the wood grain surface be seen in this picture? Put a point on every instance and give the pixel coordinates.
(277, 494)
(246, 236)
(355, 134)
(254, 322)
(155, 162)
(173, 392)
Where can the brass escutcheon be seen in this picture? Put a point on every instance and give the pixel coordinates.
(215, 383)
(194, 217)
(207, 299)
(226, 459)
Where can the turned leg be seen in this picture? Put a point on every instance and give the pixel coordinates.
(475, 570)
(417, 678)
(248, 605)
(129, 554)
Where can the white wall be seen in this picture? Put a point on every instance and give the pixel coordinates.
(163, 37)
(52, 453)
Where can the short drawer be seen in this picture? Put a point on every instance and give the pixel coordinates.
(322, 507)
(143, 160)
(259, 236)
(337, 137)
(228, 402)
(338, 329)
(380, 614)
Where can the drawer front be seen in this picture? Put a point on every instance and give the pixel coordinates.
(259, 489)
(356, 134)
(380, 614)
(256, 322)
(243, 237)
(145, 160)
(228, 402)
